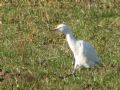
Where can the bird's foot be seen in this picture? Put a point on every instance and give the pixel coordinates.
(73, 72)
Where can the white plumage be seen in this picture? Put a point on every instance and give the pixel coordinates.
(84, 53)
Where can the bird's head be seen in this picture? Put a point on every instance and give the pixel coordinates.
(63, 28)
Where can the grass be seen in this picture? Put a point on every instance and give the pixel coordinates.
(33, 58)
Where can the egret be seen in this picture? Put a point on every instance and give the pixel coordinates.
(84, 53)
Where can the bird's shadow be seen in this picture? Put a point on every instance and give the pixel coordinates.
(76, 72)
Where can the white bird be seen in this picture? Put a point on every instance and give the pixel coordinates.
(84, 53)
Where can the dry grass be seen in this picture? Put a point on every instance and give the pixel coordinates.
(33, 58)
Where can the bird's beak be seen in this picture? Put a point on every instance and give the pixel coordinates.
(55, 29)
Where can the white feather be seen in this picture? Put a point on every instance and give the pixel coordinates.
(84, 53)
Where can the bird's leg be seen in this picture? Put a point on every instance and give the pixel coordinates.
(73, 62)
(73, 71)
(76, 66)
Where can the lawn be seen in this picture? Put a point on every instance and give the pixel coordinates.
(34, 58)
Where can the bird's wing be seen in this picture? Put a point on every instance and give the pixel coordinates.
(89, 51)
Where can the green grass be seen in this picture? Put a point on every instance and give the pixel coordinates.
(33, 58)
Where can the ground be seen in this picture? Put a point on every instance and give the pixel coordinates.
(34, 58)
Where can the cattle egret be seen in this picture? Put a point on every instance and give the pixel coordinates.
(84, 53)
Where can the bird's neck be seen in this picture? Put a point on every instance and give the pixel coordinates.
(71, 41)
